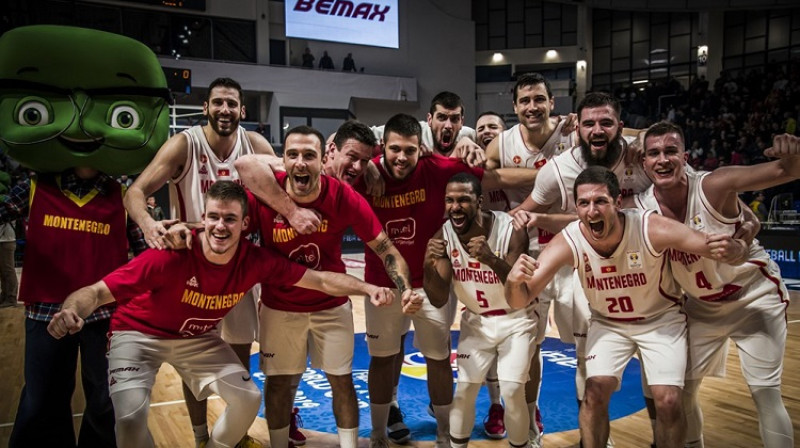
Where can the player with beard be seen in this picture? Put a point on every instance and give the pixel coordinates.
(619, 256)
(473, 253)
(746, 303)
(296, 323)
(550, 206)
(409, 211)
(192, 161)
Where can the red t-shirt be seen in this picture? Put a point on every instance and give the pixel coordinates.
(339, 207)
(174, 294)
(411, 212)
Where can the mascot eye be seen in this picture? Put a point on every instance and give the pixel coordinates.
(124, 117)
(33, 113)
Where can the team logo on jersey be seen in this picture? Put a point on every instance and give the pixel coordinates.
(608, 269)
(455, 253)
(203, 170)
(401, 229)
(697, 222)
(588, 266)
(539, 163)
(223, 172)
(307, 255)
(474, 264)
(517, 160)
(203, 158)
(634, 260)
(193, 282)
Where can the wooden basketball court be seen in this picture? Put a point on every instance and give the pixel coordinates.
(730, 418)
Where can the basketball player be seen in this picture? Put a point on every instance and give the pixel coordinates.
(473, 253)
(409, 210)
(634, 302)
(193, 160)
(169, 305)
(530, 144)
(297, 323)
(745, 303)
(489, 125)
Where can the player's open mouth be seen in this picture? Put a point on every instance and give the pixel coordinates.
(458, 220)
(597, 226)
(350, 174)
(664, 172)
(301, 180)
(488, 139)
(221, 237)
(447, 138)
(599, 143)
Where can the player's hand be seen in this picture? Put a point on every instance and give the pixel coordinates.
(373, 180)
(634, 154)
(178, 236)
(747, 231)
(521, 218)
(470, 153)
(523, 269)
(478, 248)
(436, 249)
(65, 322)
(570, 124)
(424, 151)
(411, 301)
(786, 146)
(154, 232)
(304, 220)
(726, 249)
(381, 296)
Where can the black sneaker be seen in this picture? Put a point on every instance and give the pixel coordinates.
(396, 430)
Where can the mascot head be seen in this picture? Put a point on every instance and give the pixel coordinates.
(75, 97)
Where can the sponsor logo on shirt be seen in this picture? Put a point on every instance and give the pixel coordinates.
(193, 282)
(308, 255)
(401, 229)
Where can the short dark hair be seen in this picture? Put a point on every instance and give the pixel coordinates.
(404, 125)
(225, 82)
(531, 79)
(306, 130)
(227, 190)
(467, 178)
(356, 130)
(599, 99)
(448, 100)
(597, 175)
(493, 113)
(664, 128)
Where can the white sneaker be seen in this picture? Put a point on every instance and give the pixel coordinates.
(610, 443)
(535, 439)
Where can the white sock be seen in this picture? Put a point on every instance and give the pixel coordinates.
(279, 438)
(442, 414)
(348, 437)
(200, 434)
(380, 416)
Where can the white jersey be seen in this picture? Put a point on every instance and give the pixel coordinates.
(634, 283)
(200, 170)
(514, 153)
(704, 278)
(556, 180)
(477, 286)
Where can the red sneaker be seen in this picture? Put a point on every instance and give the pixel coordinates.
(295, 436)
(493, 426)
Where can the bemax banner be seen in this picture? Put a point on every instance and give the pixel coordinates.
(365, 23)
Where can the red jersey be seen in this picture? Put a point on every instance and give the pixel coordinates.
(339, 207)
(177, 294)
(72, 242)
(411, 212)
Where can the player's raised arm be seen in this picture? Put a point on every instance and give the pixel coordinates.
(438, 273)
(528, 276)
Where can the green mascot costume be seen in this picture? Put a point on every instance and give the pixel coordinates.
(77, 106)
